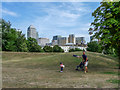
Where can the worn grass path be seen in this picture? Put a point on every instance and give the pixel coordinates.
(41, 70)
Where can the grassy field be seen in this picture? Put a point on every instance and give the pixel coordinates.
(41, 70)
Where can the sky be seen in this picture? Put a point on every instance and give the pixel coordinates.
(51, 18)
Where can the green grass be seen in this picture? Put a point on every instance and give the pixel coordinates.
(114, 73)
(41, 70)
(114, 81)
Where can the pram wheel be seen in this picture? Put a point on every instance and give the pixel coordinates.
(77, 69)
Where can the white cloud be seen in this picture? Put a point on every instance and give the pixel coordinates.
(62, 19)
(7, 12)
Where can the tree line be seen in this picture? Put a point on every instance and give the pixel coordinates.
(14, 40)
(95, 46)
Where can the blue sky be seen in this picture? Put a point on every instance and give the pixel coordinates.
(51, 18)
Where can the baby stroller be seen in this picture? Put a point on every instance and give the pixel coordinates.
(81, 65)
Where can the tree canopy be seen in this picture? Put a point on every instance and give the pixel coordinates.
(106, 25)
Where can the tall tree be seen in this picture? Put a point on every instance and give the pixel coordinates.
(33, 45)
(9, 35)
(21, 42)
(106, 25)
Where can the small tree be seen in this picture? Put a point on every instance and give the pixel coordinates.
(93, 46)
(48, 49)
(56, 48)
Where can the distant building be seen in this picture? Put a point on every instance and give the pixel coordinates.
(80, 40)
(43, 41)
(55, 40)
(49, 44)
(31, 32)
(69, 44)
(62, 41)
(56, 37)
(37, 36)
(93, 39)
(67, 48)
(71, 38)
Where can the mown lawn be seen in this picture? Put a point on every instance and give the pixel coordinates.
(41, 70)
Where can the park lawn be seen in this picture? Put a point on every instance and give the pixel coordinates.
(41, 70)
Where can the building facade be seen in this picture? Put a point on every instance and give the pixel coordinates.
(71, 39)
(55, 40)
(62, 41)
(67, 48)
(31, 32)
(37, 36)
(80, 40)
(43, 41)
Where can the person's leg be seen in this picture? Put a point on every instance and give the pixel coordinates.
(86, 69)
(61, 69)
(81, 65)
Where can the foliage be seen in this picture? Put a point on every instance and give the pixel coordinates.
(21, 42)
(33, 45)
(72, 50)
(115, 81)
(94, 47)
(106, 25)
(76, 49)
(48, 49)
(56, 48)
(13, 40)
(9, 36)
(109, 50)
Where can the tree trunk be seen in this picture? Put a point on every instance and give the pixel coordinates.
(119, 57)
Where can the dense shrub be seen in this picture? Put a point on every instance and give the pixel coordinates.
(33, 45)
(48, 49)
(93, 46)
(56, 48)
(76, 49)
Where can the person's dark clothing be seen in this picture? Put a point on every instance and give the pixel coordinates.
(84, 57)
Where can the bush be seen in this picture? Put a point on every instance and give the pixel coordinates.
(33, 45)
(72, 50)
(48, 49)
(76, 49)
(56, 48)
(93, 46)
(109, 50)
